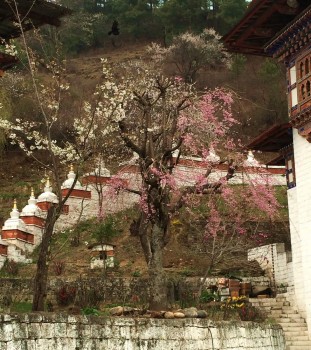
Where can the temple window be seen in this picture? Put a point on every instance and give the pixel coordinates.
(307, 66)
(301, 69)
(303, 91)
(294, 97)
(292, 73)
(290, 171)
(308, 88)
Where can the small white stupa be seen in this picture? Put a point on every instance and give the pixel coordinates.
(31, 209)
(212, 157)
(251, 161)
(14, 222)
(101, 170)
(70, 180)
(47, 195)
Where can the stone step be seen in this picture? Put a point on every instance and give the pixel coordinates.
(275, 313)
(299, 343)
(267, 301)
(293, 326)
(291, 316)
(269, 306)
(290, 338)
(289, 320)
(289, 310)
(276, 307)
(297, 333)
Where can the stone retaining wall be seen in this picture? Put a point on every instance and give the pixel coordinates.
(63, 332)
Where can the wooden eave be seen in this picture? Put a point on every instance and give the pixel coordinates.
(33, 13)
(273, 139)
(293, 36)
(262, 22)
(276, 161)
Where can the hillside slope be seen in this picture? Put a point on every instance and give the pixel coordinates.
(184, 254)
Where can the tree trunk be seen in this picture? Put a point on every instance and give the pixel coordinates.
(158, 283)
(40, 281)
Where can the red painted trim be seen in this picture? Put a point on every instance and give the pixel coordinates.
(277, 171)
(17, 234)
(76, 193)
(92, 179)
(33, 220)
(44, 205)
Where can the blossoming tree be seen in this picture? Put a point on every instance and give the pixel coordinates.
(165, 122)
(40, 138)
(189, 53)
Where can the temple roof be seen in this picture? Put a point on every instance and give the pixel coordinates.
(273, 139)
(261, 23)
(33, 13)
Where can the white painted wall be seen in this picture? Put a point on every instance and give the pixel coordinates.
(276, 263)
(300, 219)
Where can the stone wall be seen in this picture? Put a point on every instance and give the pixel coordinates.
(276, 262)
(63, 332)
(95, 291)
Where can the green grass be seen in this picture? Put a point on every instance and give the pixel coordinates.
(21, 307)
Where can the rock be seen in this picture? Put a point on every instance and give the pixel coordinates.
(179, 315)
(202, 314)
(169, 315)
(128, 310)
(157, 314)
(116, 311)
(191, 312)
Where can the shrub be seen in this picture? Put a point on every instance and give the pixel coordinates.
(207, 296)
(11, 268)
(59, 267)
(65, 295)
(136, 273)
(251, 313)
(90, 311)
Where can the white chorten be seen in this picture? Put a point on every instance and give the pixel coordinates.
(101, 170)
(48, 195)
(212, 157)
(31, 209)
(251, 161)
(14, 223)
(70, 180)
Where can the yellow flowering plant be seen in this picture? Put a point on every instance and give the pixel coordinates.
(234, 302)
